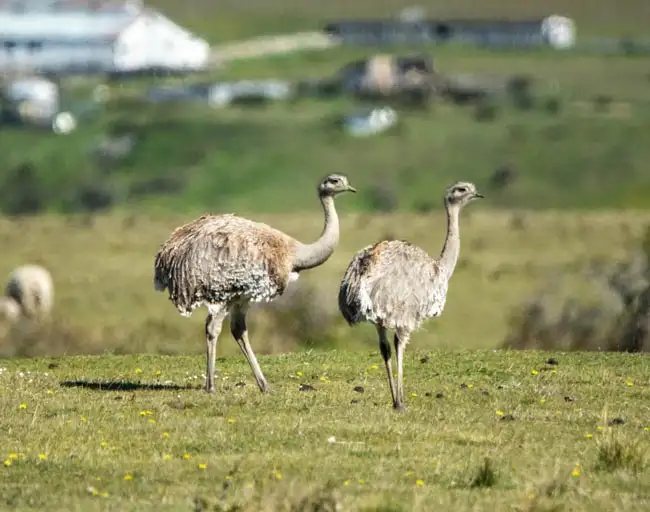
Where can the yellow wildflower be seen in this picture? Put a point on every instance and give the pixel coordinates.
(128, 476)
(167, 457)
(500, 413)
(575, 472)
(187, 456)
(231, 420)
(22, 406)
(419, 483)
(138, 370)
(203, 466)
(534, 372)
(589, 436)
(277, 475)
(42, 456)
(8, 462)
(13, 456)
(165, 435)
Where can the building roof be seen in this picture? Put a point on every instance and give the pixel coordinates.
(65, 20)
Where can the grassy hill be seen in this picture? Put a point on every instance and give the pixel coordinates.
(484, 430)
(249, 158)
(255, 159)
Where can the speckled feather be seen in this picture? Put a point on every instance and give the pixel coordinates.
(223, 259)
(394, 284)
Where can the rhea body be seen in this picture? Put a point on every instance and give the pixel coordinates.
(396, 285)
(226, 263)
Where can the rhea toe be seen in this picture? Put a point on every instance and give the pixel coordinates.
(396, 285)
(227, 263)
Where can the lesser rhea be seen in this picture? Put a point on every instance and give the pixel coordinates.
(396, 285)
(226, 262)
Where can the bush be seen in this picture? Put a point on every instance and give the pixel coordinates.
(612, 311)
(304, 315)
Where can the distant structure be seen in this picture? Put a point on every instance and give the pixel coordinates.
(394, 284)
(66, 37)
(225, 263)
(554, 31)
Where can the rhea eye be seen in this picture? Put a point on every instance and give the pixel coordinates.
(462, 190)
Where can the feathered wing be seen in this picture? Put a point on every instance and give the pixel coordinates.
(393, 283)
(218, 259)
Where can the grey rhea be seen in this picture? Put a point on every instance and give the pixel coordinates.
(396, 285)
(225, 263)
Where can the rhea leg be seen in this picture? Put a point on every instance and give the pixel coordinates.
(213, 324)
(240, 333)
(384, 347)
(401, 339)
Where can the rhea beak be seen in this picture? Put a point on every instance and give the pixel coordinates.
(351, 189)
(479, 196)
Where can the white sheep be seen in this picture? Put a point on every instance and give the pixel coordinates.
(30, 287)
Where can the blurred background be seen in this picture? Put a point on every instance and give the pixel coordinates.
(121, 120)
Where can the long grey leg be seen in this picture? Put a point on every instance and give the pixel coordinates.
(401, 339)
(240, 333)
(213, 324)
(384, 346)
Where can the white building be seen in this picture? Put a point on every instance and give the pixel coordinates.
(94, 37)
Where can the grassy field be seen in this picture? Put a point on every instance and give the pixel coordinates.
(103, 272)
(486, 429)
(234, 20)
(189, 156)
(137, 433)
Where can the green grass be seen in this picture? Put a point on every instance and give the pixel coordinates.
(257, 159)
(543, 429)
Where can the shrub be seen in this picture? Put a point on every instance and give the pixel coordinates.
(611, 312)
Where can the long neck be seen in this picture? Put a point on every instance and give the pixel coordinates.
(312, 255)
(451, 249)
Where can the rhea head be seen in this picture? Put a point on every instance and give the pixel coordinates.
(334, 184)
(461, 193)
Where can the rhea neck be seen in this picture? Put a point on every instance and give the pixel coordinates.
(315, 254)
(451, 247)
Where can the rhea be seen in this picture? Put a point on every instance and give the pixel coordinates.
(396, 285)
(226, 263)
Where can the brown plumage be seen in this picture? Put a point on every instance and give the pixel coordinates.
(223, 258)
(396, 285)
(226, 262)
